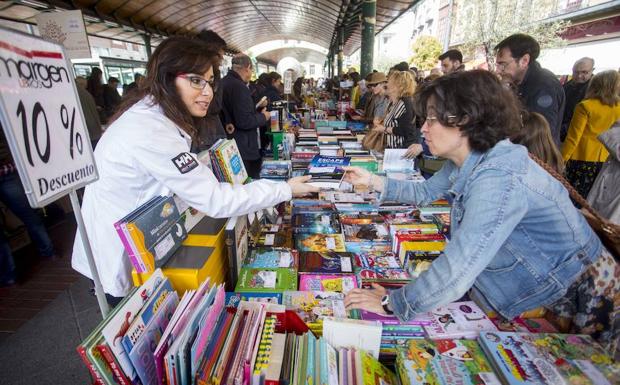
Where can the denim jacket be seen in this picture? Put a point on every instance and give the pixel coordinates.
(516, 238)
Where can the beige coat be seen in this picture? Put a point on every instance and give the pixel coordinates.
(605, 193)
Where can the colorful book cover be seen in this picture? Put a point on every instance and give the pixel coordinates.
(383, 274)
(327, 282)
(325, 263)
(313, 306)
(330, 161)
(355, 207)
(545, 359)
(371, 261)
(316, 223)
(419, 261)
(321, 242)
(444, 362)
(374, 372)
(372, 232)
(271, 258)
(387, 320)
(230, 161)
(266, 280)
(282, 239)
(362, 218)
(368, 248)
(141, 355)
(233, 299)
(458, 320)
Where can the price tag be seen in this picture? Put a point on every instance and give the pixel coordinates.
(42, 118)
(288, 82)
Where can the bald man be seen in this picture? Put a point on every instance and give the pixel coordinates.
(575, 90)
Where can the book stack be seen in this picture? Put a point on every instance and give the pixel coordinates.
(327, 171)
(225, 161)
(153, 232)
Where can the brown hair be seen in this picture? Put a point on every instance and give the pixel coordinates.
(404, 81)
(535, 134)
(475, 102)
(173, 56)
(605, 87)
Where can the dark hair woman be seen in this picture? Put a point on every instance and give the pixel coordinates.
(145, 152)
(94, 85)
(516, 241)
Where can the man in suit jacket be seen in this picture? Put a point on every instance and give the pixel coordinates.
(239, 108)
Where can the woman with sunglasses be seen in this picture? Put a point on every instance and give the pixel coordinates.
(516, 239)
(145, 152)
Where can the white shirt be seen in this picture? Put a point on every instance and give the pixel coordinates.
(136, 161)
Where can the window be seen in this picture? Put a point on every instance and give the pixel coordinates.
(311, 69)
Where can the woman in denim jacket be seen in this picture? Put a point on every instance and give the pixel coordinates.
(516, 240)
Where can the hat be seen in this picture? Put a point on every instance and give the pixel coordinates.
(376, 78)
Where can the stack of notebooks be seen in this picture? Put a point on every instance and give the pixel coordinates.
(225, 161)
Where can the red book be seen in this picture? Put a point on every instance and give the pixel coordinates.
(119, 375)
(91, 367)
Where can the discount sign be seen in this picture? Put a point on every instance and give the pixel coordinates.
(42, 119)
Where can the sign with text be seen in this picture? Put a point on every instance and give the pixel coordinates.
(65, 28)
(288, 82)
(41, 116)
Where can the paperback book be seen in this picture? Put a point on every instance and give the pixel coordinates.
(458, 320)
(320, 242)
(266, 280)
(325, 263)
(327, 282)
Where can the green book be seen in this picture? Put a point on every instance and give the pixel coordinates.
(266, 280)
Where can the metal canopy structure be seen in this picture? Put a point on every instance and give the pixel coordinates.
(242, 23)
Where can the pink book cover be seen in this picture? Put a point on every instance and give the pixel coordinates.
(120, 230)
(458, 320)
(419, 320)
(327, 282)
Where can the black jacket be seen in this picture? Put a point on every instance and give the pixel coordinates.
(406, 124)
(238, 106)
(574, 92)
(272, 94)
(541, 92)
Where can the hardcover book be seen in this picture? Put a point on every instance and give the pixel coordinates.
(321, 242)
(327, 282)
(544, 359)
(458, 320)
(271, 258)
(444, 362)
(266, 280)
(316, 223)
(325, 263)
(373, 232)
(313, 306)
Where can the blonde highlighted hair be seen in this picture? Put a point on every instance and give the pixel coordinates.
(605, 86)
(535, 134)
(404, 81)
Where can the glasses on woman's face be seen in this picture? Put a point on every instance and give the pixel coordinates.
(197, 82)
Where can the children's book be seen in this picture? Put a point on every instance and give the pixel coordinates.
(386, 320)
(444, 362)
(371, 261)
(327, 282)
(544, 359)
(266, 280)
(459, 320)
(325, 263)
(419, 261)
(313, 306)
(271, 258)
(321, 242)
(373, 372)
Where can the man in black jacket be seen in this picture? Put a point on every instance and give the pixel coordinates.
(538, 88)
(575, 90)
(239, 108)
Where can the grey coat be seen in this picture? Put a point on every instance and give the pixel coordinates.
(605, 193)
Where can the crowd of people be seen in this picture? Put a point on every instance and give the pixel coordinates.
(517, 240)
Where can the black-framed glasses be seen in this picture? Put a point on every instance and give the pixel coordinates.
(197, 82)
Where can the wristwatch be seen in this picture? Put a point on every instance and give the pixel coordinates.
(385, 302)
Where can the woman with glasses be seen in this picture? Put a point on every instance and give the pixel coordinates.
(145, 152)
(516, 239)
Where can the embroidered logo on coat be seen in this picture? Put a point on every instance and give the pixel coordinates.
(185, 162)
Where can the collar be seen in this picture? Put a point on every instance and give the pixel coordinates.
(234, 74)
(459, 176)
(530, 73)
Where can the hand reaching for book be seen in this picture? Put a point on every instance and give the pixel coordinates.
(366, 299)
(299, 187)
(359, 176)
(413, 151)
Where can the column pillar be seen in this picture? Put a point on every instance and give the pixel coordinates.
(147, 44)
(369, 16)
(340, 49)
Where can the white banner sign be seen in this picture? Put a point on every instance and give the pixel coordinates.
(288, 82)
(66, 28)
(41, 116)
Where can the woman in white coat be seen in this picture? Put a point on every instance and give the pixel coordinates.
(145, 153)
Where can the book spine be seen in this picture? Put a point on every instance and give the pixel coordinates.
(119, 375)
(91, 367)
(132, 257)
(146, 258)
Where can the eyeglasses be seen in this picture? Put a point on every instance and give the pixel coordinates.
(196, 81)
(430, 119)
(501, 66)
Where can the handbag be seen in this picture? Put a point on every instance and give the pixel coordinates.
(374, 140)
(608, 232)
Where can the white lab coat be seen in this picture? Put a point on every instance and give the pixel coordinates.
(135, 162)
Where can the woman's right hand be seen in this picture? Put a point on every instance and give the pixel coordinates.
(359, 176)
